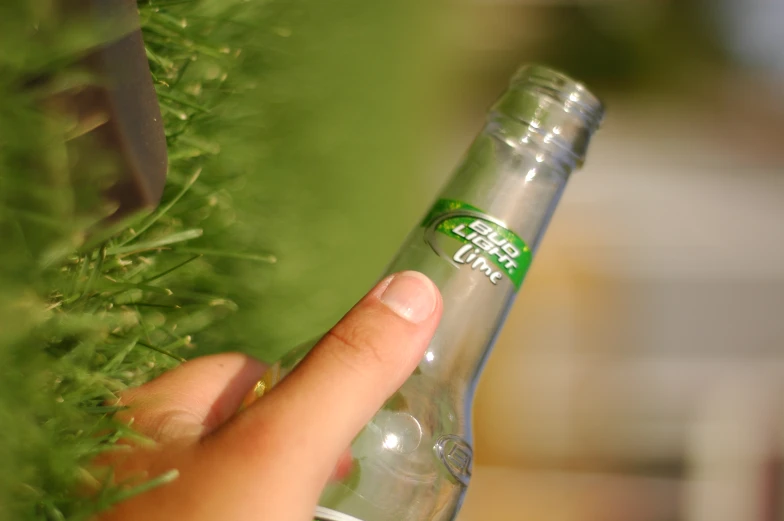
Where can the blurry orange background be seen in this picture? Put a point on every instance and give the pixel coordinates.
(640, 373)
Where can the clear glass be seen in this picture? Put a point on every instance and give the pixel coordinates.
(412, 462)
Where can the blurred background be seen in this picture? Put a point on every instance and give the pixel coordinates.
(640, 373)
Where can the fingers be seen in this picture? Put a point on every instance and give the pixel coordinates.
(346, 378)
(343, 467)
(301, 428)
(193, 399)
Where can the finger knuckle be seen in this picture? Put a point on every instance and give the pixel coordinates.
(173, 424)
(357, 345)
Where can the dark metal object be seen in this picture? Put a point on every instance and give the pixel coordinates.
(122, 114)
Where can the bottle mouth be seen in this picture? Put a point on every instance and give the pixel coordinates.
(573, 95)
(548, 108)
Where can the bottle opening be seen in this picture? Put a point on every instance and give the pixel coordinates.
(561, 88)
(552, 110)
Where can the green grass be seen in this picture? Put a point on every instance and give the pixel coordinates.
(292, 179)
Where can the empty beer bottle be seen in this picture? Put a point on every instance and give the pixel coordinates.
(412, 462)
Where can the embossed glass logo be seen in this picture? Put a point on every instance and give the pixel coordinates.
(483, 243)
(456, 455)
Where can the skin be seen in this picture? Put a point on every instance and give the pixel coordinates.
(272, 459)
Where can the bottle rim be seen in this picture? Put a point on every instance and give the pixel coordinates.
(566, 91)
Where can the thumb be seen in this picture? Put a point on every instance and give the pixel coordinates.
(346, 377)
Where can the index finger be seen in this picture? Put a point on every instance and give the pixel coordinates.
(346, 377)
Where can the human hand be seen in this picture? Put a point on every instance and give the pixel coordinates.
(271, 460)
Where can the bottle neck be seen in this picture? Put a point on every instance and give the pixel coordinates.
(525, 139)
(500, 192)
(550, 110)
(519, 183)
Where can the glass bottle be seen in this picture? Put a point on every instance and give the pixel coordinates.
(412, 462)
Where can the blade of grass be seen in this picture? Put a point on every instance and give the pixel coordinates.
(120, 356)
(157, 243)
(258, 257)
(165, 208)
(182, 100)
(122, 287)
(162, 351)
(97, 270)
(166, 477)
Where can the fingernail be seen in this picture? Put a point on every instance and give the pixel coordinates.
(411, 295)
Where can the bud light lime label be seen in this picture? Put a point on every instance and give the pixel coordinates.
(470, 239)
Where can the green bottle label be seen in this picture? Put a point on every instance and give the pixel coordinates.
(478, 241)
